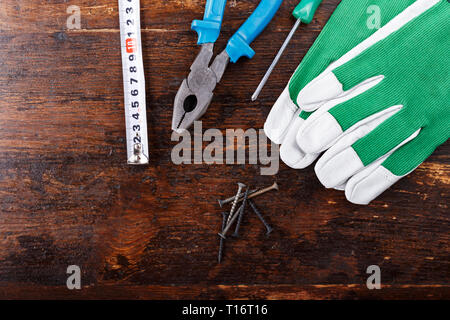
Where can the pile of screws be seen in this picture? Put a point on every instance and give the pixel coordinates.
(230, 218)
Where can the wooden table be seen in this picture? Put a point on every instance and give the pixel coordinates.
(67, 196)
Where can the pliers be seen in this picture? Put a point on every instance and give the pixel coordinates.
(196, 92)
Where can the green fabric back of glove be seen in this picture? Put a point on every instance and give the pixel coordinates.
(415, 64)
(347, 27)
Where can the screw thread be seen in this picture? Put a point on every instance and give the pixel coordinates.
(235, 202)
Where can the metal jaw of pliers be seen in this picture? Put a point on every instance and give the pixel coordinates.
(196, 91)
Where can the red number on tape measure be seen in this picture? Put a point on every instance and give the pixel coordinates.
(131, 45)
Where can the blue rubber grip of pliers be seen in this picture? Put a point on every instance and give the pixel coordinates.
(239, 44)
(208, 29)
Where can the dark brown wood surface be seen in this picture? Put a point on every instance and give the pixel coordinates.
(67, 195)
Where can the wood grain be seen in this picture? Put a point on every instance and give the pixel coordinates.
(68, 197)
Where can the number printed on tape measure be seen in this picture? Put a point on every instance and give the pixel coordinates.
(131, 45)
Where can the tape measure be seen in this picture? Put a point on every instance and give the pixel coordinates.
(133, 82)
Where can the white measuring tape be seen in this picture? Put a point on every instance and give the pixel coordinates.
(133, 82)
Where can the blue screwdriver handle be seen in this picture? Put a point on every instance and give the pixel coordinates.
(239, 44)
(208, 29)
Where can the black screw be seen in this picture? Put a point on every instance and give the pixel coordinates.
(230, 224)
(224, 222)
(241, 214)
(255, 210)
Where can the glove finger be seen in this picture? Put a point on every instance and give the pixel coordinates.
(344, 160)
(282, 113)
(369, 183)
(290, 152)
(358, 132)
(329, 122)
(341, 187)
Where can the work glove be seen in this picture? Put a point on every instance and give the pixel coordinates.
(352, 22)
(382, 108)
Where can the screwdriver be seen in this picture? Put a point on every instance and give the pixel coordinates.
(304, 12)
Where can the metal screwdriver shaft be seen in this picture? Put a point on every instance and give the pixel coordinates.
(275, 61)
(304, 12)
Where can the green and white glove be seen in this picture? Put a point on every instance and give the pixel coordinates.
(347, 27)
(382, 108)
